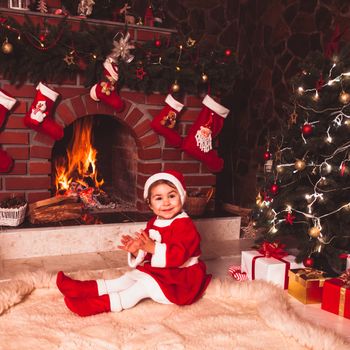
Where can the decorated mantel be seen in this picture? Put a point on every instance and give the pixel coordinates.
(57, 68)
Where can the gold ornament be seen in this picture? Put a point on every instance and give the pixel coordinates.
(190, 42)
(69, 59)
(292, 119)
(300, 164)
(175, 87)
(314, 232)
(204, 78)
(259, 200)
(6, 47)
(344, 97)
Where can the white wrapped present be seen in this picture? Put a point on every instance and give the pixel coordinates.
(275, 270)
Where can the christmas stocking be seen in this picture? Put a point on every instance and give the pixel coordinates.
(165, 122)
(39, 116)
(198, 142)
(105, 91)
(6, 103)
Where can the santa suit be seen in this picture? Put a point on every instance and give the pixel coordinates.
(174, 273)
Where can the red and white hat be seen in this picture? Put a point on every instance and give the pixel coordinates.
(176, 178)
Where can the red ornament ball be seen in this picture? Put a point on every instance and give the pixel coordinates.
(228, 52)
(307, 129)
(267, 155)
(274, 188)
(158, 43)
(308, 262)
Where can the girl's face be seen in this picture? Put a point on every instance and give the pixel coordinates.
(165, 201)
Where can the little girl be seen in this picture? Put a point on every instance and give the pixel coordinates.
(165, 258)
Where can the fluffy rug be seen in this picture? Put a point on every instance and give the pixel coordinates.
(232, 315)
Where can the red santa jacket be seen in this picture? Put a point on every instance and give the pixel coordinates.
(175, 264)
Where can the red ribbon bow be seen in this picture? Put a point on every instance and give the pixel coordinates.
(273, 250)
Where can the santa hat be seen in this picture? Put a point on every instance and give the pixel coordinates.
(176, 178)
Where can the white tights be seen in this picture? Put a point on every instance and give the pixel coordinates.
(126, 291)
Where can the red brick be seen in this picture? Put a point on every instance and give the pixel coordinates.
(15, 122)
(94, 107)
(154, 112)
(12, 137)
(25, 90)
(143, 35)
(149, 140)
(200, 180)
(194, 101)
(68, 92)
(19, 169)
(78, 106)
(171, 154)
(156, 99)
(38, 196)
(121, 115)
(40, 168)
(133, 117)
(142, 128)
(27, 183)
(40, 152)
(20, 107)
(44, 139)
(189, 115)
(141, 180)
(183, 167)
(18, 152)
(149, 168)
(135, 97)
(150, 153)
(65, 113)
(6, 195)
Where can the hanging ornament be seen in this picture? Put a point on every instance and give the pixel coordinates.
(268, 166)
(344, 97)
(292, 119)
(190, 42)
(307, 129)
(85, 7)
(42, 7)
(204, 78)
(122, 49)
(267, 155)
(69, 59)
(308, 262)
(314, 232)
(7, 47)
(259, 199)
(228, 52)
(157, 43)
(175, 87)
(300, 164)
(274, 188)
(140, 73)
(342, 169)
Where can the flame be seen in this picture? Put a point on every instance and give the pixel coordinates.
(80, 164)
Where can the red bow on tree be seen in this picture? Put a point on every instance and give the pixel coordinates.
(273, 250)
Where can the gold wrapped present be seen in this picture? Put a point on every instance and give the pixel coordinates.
(306, 285)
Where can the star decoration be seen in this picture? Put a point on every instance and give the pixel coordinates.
(122, 49)
(69, 59)
(190, 42)
(289, 218)
(140, 73)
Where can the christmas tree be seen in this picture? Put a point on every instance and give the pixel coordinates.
(304, 194)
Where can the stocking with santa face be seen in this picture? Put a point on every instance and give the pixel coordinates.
(6, 103)
(198, 142)
(39, 116)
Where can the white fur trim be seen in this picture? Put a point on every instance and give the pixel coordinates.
(190, 262)
(111, 68)
(114, 300)
(46, 91)
(165, 176)
(159, 256)
(133, 262)
(170, 100)
(101, 287)
(215, 107)
(167, 222)
(155, 235)
(93, 93)
(7, 101)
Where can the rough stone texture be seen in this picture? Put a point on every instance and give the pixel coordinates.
(270, 38)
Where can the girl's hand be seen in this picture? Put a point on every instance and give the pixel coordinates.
(147, 244)
(130, 244)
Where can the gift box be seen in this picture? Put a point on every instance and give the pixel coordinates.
(336, 295)
(348, 262)
(272, 269)
(306, 285)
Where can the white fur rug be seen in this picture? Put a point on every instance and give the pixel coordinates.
(232, 315)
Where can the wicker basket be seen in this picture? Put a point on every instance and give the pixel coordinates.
(196, 205)
(12, 216)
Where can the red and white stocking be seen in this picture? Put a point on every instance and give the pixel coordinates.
(39, 116)
(165, 122)
(6, 103)
(198, 142)
(106, 91)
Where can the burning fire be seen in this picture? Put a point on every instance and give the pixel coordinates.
(79, 169)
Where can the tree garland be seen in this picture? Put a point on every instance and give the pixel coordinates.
(55, 53)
